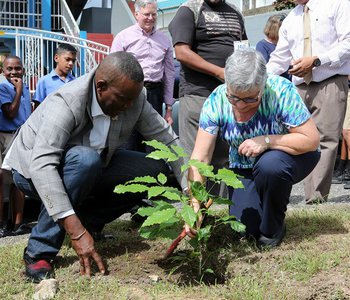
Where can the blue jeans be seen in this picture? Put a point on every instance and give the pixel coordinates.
(89, 187)
(262, 204)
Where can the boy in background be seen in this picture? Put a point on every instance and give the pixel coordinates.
(65, 57)
(15, 108)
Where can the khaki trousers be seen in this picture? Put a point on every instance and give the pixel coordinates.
(326, 102)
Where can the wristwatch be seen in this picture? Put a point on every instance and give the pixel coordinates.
(316, 62)
(267, 141)
(169, 107)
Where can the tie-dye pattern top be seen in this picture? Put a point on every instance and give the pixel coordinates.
(281, 108)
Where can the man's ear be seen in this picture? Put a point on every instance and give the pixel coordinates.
(101, 85)
(55, 58)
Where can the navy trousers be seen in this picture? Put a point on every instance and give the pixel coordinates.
(262, 204)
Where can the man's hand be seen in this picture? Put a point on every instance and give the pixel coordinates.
(84, 247)
(302, 66)
(83, 244)
(253, 147)
(18, 83)
(169, 117)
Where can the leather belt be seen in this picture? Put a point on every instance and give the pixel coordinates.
(152, 85)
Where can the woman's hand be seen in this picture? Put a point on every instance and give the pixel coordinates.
(191, 232)
(253, 147)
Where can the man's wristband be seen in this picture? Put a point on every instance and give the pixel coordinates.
(78, 237)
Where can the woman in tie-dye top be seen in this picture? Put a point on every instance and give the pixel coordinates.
(273, 142)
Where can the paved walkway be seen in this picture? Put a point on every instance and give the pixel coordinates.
(337, 195)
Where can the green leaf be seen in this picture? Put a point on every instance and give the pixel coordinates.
(162, 178)
(199, 191)
(221, 201)
(209, 271)
(229, 177)
(157, 155)
(203, 168)
(169, 229)
(146, 211)
(160, 204)
(204, 233)
(237, 226)
(188, 214)
(159, 217)
(155, 191)
(131, 188)
(184, 167)
(144, 179)
(179, 151)
(172, 196)
(157, 145)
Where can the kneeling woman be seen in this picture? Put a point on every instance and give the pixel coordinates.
(273, 142)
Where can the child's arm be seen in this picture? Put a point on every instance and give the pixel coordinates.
(11, 109)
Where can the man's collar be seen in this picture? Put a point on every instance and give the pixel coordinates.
(144, 32)
(95, 107)
(53, 73)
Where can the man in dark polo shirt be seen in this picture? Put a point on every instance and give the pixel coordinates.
(204, 33)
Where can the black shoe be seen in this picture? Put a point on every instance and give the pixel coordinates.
(341, 176)
(37, 269)
(5, 229)
(274, 241)
(346, 175)
(337, 176)
(22, 229)
(4, 232)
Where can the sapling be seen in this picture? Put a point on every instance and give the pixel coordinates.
(164, 219)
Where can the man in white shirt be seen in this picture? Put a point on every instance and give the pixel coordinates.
(314, 42)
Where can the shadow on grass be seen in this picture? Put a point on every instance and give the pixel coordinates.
(308, 224)
(225, 246)
(211, 268)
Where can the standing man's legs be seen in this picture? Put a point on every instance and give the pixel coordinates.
(190, 107)
(189, 113)
(326, 101)
(155, 98)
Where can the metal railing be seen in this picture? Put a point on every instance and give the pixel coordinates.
(36, 49)
(23, 13)
(20, 13)
(64, 15)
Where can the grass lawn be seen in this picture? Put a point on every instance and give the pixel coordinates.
(312, 263)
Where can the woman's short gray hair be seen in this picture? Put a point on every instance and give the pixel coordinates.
(142, 3)
(245, 70)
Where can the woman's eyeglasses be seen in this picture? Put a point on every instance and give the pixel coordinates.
(234, 99)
